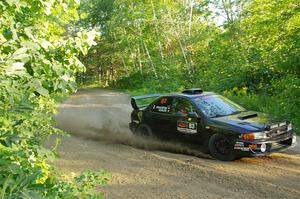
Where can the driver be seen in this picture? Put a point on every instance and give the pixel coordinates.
(183, 107)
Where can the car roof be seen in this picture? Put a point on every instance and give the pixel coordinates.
(191, 96)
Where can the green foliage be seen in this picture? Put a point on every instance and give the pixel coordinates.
(80, 187)
(37, 66)
(162, 46)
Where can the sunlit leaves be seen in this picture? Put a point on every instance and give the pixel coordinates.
(37, 63)
(37, 85)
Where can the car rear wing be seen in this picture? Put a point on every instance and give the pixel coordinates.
(139, 102)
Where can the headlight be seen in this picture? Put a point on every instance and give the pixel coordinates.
(290, 127)
(260, 135)
(254, 136)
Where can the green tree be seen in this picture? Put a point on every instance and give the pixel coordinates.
(251, 53)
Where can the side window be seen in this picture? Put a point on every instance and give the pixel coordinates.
(183, 106)
(163, 105)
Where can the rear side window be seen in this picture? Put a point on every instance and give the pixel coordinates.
(163, 105)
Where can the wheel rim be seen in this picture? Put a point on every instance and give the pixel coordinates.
(223, 146)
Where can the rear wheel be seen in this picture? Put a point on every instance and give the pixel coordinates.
(144, 131)
(221, 148)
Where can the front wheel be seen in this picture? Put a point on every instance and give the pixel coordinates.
(221, 148)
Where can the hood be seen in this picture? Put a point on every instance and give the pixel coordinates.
(248, 121)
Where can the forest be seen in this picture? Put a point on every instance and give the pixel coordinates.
(247, 50)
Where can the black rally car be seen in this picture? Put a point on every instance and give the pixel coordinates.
(227, 129)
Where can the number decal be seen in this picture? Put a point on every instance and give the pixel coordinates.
(191, 125)
(187, 127)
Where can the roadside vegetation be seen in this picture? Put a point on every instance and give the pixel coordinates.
(248, 50)
(38, 61)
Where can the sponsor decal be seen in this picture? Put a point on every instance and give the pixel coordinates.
(240, 146)
(182, 124)
(164, 109)
(187, 127)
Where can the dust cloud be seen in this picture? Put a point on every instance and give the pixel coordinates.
(104, 116)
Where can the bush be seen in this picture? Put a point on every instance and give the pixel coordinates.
(37, 67)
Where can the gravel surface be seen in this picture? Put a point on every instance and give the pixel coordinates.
(97, 120)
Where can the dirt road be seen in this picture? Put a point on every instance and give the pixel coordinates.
(98, 122)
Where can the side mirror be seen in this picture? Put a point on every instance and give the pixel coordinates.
(192, 115)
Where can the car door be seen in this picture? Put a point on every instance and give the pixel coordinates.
(184, 127)
(159, 116)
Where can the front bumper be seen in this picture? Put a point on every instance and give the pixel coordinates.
(264, 147)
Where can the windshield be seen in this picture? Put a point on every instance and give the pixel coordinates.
(217, 106)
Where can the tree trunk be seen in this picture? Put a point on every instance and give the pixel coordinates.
(140, 62)
(156, 33)
(178, 38)
(98, 75)
(126, 68)
(191, 17)
(150, 60)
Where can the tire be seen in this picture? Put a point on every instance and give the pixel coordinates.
(221, 148)
(144, 130)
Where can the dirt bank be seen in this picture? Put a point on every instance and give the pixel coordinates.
(98, 122)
